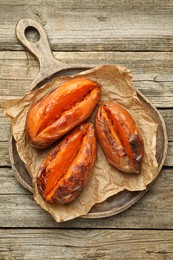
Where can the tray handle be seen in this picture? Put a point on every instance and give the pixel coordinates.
(40, 49)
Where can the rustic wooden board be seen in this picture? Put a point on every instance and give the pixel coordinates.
(49, 66)
(86, 244)
(104, 25)
(153, 211)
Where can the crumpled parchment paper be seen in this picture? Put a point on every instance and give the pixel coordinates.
(106, 181)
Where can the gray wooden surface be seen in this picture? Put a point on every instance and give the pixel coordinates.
(136, 34)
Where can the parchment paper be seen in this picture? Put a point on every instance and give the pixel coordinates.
(106, 180)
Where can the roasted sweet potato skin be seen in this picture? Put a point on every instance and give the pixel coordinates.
(120, 138)
(60, 111)
(67, 169)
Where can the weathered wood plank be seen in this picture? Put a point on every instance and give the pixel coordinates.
(85, 244)
(143, 65)
(153, 211)
(152, 73)
(4, 154)
(93, 25)
(169, 157)
(4, 127)
(167, 115)
(9, 184)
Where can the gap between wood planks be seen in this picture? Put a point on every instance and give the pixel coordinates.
(86, 228)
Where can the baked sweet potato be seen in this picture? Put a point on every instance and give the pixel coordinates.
(61, 110)
(67, 168)
(120, 138)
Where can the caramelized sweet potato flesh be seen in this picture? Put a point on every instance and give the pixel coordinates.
(119, 137)
(61, 110)
(67, 169)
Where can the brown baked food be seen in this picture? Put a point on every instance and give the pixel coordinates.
(67, 168)
(120, 138)
(61, 110)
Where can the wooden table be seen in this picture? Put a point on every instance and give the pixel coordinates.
(136, 34)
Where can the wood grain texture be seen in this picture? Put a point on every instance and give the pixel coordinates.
(104, 25)
(85, 244)
(169, 157)
(153, 211)
(152, 73)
